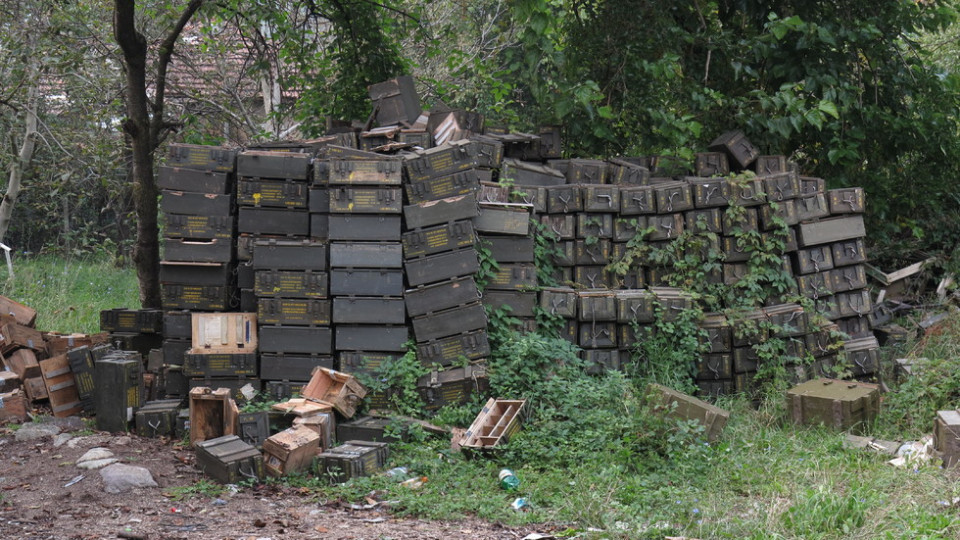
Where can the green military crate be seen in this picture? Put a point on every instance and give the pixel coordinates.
(781, 186)
(838, 404)
(440, 296)
(596, 305)
(118, 378)
(681, 406)
(220, 364)
(205, 158)
(625, 173)
(514, 276)
(673, 196)
(253, 427)
(431, 240)
(293, 311)
(272, 193)
(451, 185)
(846, 201)
(429, 213)
(637, 200)
(813, 259)
(496, 218)
(199, 227)
(848, 252)
(449, 322)
(184, 179)
(828, 231)
(715, 366)
(591, 226)
(371, 429)
(600, 198)
(711, 164)
(291, 284)
(565, 199)
(353, 459)
(445, 351)
(229, 460)
(737, 147)
(453, 386)
(158, 418)
(385, 171)
(515, 303)
(147, 321)
(347, 200)
(562, 227)
(559, 302)
(710, 192)
(285, 165)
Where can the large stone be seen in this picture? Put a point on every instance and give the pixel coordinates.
(96, 458)
(119, 478)
(31, 432)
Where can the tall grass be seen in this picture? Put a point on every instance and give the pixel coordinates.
(69, 293)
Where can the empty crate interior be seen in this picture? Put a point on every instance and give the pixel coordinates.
(500, 416)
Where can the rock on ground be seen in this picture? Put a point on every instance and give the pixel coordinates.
(119, 478)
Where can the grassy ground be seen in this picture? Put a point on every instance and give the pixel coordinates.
(68, 294)
(615, 473)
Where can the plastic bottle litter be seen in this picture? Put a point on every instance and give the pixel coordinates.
(415, 482)
(398, 472)
(508, 480)
(521, 505)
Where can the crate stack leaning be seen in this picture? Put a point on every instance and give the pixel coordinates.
(288, 268)
(440, 260)
(198, 269)
(366, 259)
(20, 347)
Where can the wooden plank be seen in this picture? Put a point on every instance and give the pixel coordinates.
(61, 386)
(22, 314)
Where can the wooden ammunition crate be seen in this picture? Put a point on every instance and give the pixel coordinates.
(291, 367)
(736, 145)
(831, 230)
(291, 284)
(213, 413)
(395, 101)
(253, 427)
(364, 227)
(598, 335)
(340, 390)
(358, 172)
(279, 221)
(223, 332)
(515, 303)
(715, 366)
(118, 379)
(295, 339)
(514, 276)
(265, 164)
(710, 192)
(679, 405)
(448, 158)
(626, 173)
(534, 197)
(509, 249)
(196, 204)
(665, 226)
(425, 214)
(371, 429)
(863, 356)
(184, 179)
(158, 418)
(635, 306)
(215, 274)
(131, 320)
(848, 252)
(946, 436)
(282, 254)
(601, 198)
(21, 314)
(366, 255)
(781, 186)
(673, 196)
(199, 363)
(711, 164)
(590, 252)
(525, 173)
(784, 212)
(368, 281)
(449, 322)
(452, 386)
(844, 405)
(564, 199)
(445, 351)
(61, 386)
(846, 201)
(352, 459)
(294, 311)
(13, 336)
(272, 193)
(595, 225)
(344, 200)
(602, 360)
(442, 266)
(229, 460)
(637, 200)
(598, 305)
(291, 450)
(438, 239)
(505, 218)
(559, 302)
(440, 296)
(443, 187)
(217, 250)
(368, 310)
(23, 362)
(719, 333)
(368, 337)
(498, 420)
(813, 259)
(206, 158)
(368, 363)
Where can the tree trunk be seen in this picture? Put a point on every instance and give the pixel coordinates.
(22, 160)
(145, 133)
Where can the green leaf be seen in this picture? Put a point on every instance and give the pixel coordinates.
(829, 107)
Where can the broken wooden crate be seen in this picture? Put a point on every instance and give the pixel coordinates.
(213, 413)
(498, 420)
(341, 390)
(291, 450)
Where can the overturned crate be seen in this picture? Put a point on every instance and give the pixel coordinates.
(498, 420)
(711, 417)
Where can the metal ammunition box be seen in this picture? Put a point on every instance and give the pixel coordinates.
(747, 192)
(596, 306)
(344, 200)
(846, 304)
(535, 197)
(220, 364)
(449, 322)
(766, 165)
(354, 459)
(809, 207)
(371, 338)
(704, 220)
(218, 250)
(158, 418)
(384, 171)
(863, 356)
(281, 221)
(563, 227)
(291, 367)
(838, 404)
(744, 220)
(626, 229)
(199, 181)
(199, 227)
(293, 311)
(148, 321)
(271, 193)
(442, 266)
(736, 145)
(785, 211)
(846, 201)
(665, 226)
(118, 378)
(291, 284)
(438, 239)
(831, 230)
(848, 252)
(196, 204)
(781, 186)
(512, 219)
(673, 196)
(815, 285)
(509, 249)
(593, 277)
(280, 254)
(515, 303)
(202, 297)
(366, 282)
(564, 199)
(282, 390)
(368, 310)
(600, 198)
(559, 302)
(395, 101)
(601, 360)
(443, 187)
(318, 200)
(381, 255)
(364, 227)
(205, 158)
(514, 276)
(470, 345)
(710, 192)
(285, 165)
(453, 386)
(848, 278)
(589, 252)
(253, 427)
(295, 339)
(625, 173)
(440, 296)
(711, 164)
(637, 200)
(229, 460)
(594, 225)
(429, 213)
(586, 171)
(524, 173)
(714, 367)
(811, 260)
(598, 335)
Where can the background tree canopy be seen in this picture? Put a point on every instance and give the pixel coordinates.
(859, 93)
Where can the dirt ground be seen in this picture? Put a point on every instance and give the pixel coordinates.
(36, 504)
